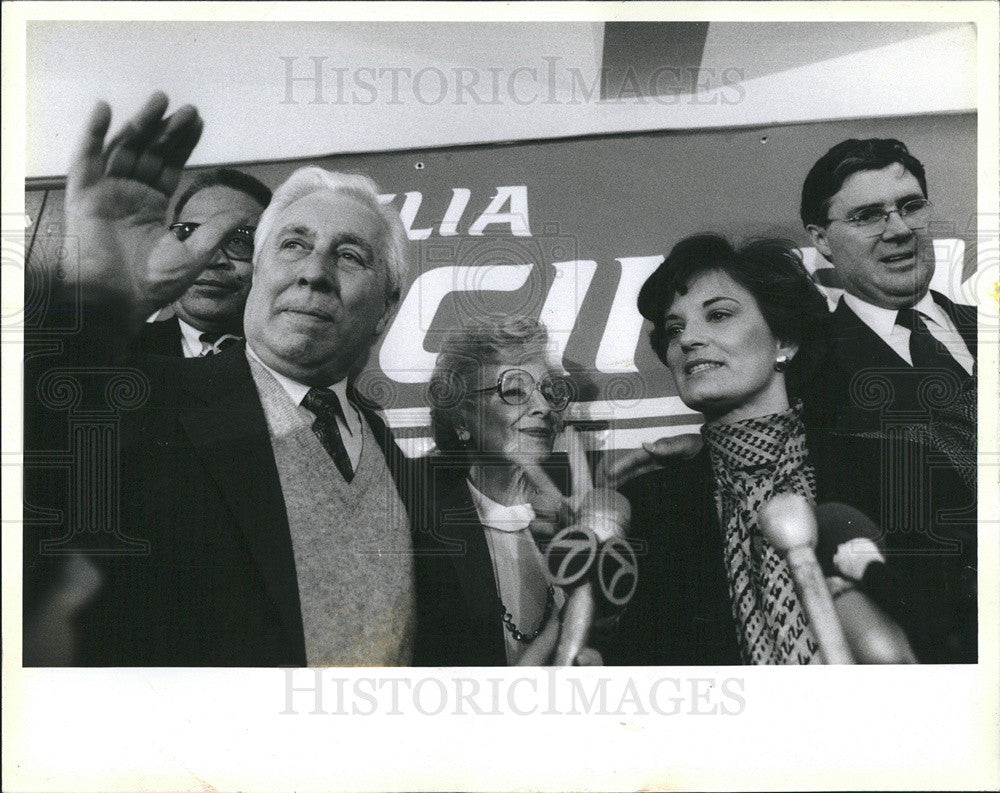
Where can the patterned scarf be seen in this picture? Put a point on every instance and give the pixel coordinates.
(752, 460)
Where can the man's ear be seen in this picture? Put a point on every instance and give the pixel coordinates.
(822, 244)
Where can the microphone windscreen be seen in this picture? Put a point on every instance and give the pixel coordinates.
(787, 521)
(839, 524)
(617, 571)
(570, 555)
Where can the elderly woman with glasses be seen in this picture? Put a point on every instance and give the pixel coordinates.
(497, 404)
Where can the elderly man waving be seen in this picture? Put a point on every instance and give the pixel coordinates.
(259, 483)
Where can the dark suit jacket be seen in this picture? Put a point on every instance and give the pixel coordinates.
(681, 612)
(860, 356)
(458, 601)
(162, 337)
(199, 483)
(459, 615)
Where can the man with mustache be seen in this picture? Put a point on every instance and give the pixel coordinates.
(209, 315)
(259, 492)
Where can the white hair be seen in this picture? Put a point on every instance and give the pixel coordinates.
(313, 179)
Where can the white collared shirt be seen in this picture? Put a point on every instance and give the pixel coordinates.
(350, 431)
(883, 322)
(191, 343)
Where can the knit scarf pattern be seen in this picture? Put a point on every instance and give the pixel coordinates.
(752, 460)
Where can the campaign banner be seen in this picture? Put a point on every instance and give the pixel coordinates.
(568, 230)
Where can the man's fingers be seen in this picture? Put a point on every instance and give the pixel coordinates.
(173, 147)
(687, 445)
(137, 134)
(579, 471)
(210, 234)
(87, 166)
(128, 132)
(618, 468)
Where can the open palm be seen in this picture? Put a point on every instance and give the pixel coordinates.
(116, 204)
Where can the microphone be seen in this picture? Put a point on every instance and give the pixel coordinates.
(588, 557)
(788, 523)
(847, 540)
(874, 638)
(843, 532)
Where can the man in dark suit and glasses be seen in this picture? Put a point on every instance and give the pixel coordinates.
(902, 364)
(865, 205)
(209, 315)
(261, 489)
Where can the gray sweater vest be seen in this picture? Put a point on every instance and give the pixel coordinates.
(353, 557)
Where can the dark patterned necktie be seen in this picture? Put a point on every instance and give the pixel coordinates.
(926, 352)
(326, 406)
(216, 342)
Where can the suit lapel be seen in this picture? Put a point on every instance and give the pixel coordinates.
(458, 526)
(225, 423)
(163, 338)
(858, 346)
(402, 470)
(965, 320)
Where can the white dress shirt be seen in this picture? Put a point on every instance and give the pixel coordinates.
(883, 322)
(350, 431)
(191, 343)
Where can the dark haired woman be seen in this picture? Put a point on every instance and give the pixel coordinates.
(742, 332)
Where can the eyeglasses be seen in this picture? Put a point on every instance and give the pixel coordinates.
(873, 220)
(515, 387)
(238, 245)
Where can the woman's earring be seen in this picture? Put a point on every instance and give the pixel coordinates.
(781, 363)
(464, 436)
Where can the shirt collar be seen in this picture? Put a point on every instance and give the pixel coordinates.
(928, 306)
(297, 391)
(883, 320)
(500, 517)
(190, 336)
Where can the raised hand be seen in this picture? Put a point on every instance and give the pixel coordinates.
(116, 204)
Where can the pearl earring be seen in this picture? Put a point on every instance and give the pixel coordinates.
(781, 363)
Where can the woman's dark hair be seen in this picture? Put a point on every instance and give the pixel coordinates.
(848, 157)
(772, 271)
(225, 177)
